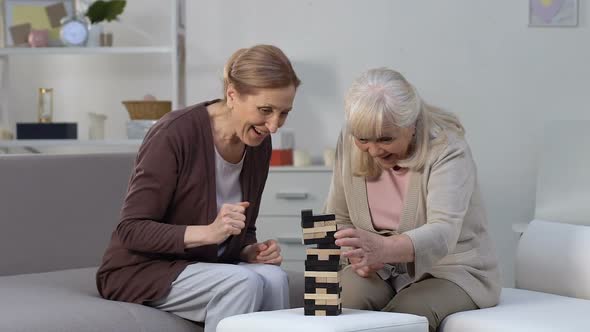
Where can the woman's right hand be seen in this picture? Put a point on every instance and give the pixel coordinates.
(365, 271)
(230, 220)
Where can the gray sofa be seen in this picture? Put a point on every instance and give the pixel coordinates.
(58, 212)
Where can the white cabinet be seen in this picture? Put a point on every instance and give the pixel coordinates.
(288, 191)
(173, 49)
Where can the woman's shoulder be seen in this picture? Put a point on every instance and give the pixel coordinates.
(181, 129)
(451, 144)
(188, 122)
(195, 116)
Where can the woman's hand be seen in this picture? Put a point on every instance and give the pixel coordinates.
(230, 220)
(364, 271)
(267, 252)
(368, 249)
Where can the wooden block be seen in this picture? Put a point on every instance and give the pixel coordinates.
(332, 280)
(325, 241)
(327, 244)
(320, 312)
(307, 296)
(322, 302)
(333, 275)
(327, 310)
(321, 258)
(306, 213)
(321, 235)
(322, 229)
(310, 305)
(321, 280)
(322, 267)
(329, 288)
(329, 257)
(323, 217)
(314, 235)
(321, 291)
(308, 220)
(319, 252)
(322, 224)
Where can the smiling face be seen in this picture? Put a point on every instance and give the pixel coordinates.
(258, 115)
(391, 146)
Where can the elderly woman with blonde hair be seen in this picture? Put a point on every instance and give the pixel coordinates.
(406, 191)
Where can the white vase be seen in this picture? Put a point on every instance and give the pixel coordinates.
(94, 35)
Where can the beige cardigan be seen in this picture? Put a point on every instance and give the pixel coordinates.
(443, 215)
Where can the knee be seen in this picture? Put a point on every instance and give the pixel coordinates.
(248, 283)
(356, 291)
(275, 276)
(415, 306)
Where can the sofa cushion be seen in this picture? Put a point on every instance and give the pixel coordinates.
(65, 301)
(524, 311)
(553, 258)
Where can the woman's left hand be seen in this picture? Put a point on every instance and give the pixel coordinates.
(267, 252)
(368, 249)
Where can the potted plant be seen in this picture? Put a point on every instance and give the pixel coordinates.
(98, 12)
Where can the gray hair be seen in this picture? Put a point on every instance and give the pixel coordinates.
(381, 99)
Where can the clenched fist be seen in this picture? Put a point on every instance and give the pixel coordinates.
(230, 220)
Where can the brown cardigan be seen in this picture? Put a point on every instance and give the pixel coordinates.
(173, 185)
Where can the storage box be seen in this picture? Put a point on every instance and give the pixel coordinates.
(56, 130)
(281, 157)
(283, 143)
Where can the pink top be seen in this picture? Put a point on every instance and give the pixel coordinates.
(386, 198)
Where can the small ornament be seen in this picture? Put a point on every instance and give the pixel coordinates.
(39, 38)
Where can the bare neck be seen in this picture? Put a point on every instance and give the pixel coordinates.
(225, 137)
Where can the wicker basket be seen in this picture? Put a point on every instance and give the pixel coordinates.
(147, 109)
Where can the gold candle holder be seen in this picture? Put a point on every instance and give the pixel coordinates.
(45, 107)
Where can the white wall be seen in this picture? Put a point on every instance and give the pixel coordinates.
(476, 58)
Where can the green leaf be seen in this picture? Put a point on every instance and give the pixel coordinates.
(105, 10)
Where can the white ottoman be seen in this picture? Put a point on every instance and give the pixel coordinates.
(293, 320)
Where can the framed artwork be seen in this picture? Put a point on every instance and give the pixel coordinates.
(22, 16)
(553, 13)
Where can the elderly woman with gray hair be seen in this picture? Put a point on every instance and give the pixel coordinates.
(406, 192)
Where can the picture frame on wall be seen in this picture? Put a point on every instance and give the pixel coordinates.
(20, 17)
(553, 13)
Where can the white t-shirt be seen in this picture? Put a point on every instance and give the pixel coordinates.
(227, 185)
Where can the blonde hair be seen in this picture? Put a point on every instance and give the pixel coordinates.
(381, 99)
(258, 67)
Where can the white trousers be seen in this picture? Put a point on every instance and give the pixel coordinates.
(209, 292)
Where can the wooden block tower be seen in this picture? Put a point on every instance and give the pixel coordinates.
(322, 282)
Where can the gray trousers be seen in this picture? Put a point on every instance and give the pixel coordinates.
(432, 298)
(209, 292)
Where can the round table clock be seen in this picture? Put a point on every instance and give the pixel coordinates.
(74, 31)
